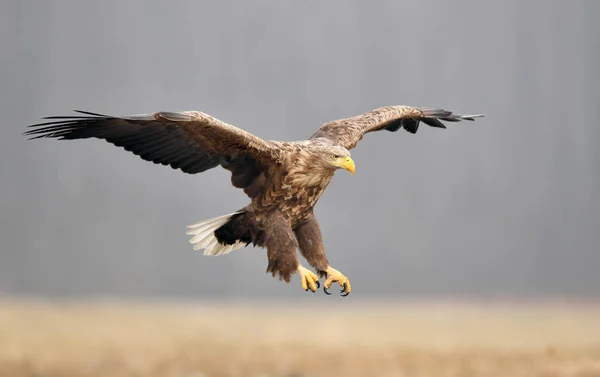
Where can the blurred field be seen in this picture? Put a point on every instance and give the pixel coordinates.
(307, 338)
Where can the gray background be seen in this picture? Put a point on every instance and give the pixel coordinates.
(506, 206)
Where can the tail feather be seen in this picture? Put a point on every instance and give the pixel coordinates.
(211, 221)
(208, 250)
(203, 233)
(197, 240)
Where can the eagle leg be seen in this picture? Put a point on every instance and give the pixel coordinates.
(334, 275)
(309, 279)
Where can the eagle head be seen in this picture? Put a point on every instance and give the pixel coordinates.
(338, 158)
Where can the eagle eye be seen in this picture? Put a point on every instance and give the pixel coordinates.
(336, 156)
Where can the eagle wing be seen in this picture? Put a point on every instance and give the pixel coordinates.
(190, 140)
(348, 132)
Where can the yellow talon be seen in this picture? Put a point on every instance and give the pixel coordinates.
(335, 275)
(309, 279)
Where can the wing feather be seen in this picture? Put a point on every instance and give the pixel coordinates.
(191, 140)
(348, 132)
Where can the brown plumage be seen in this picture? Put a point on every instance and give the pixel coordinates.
(284, 180)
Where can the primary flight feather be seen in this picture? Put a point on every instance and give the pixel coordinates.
(284, 180)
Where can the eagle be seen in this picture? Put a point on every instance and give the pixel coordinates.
(283, 179)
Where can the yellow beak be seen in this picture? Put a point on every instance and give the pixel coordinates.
(348, 164)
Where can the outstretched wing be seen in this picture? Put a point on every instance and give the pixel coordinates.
(191, 141)
(348, 132)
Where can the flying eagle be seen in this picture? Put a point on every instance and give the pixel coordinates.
(284, 180)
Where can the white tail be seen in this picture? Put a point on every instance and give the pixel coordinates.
(204, 236)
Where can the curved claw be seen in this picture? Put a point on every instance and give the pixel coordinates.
(333, 276)
(344, 290)
(308, 279)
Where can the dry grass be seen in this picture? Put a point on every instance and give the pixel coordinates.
(319, 339)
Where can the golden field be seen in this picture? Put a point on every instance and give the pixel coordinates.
(302, 338)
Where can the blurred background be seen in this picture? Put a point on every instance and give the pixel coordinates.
(504, 208)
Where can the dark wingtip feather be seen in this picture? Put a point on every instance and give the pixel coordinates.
(69, 117)
(144, 135)
(472, 117)
(63, 126)
(411, 125)
(93, 114)
(432, 122)
(433, 116)
(429, 112)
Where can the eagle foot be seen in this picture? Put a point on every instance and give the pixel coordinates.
(309, 279)
(335, 275)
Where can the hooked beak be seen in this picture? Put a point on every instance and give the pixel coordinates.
(348, 164)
